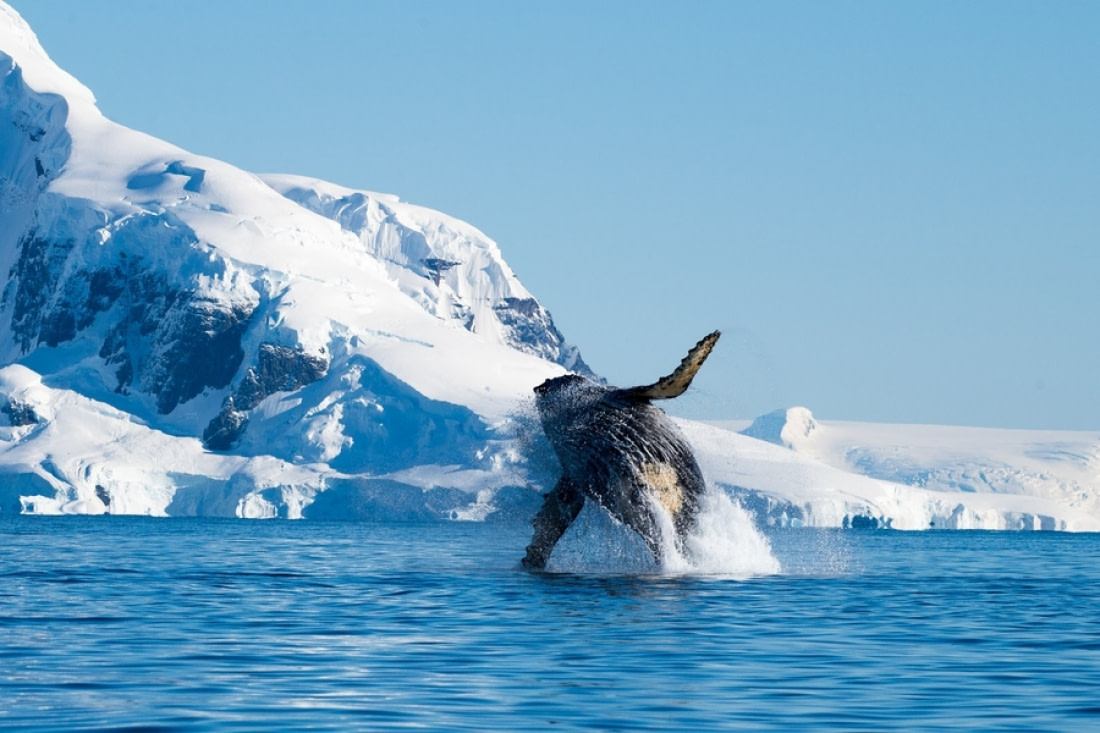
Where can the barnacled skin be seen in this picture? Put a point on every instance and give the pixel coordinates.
(619, 450)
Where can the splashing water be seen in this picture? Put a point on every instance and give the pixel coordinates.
(725, 543)
(597, 543)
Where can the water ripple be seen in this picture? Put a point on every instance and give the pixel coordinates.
(194, 625)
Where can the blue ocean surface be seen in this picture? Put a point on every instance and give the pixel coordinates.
(117, 623)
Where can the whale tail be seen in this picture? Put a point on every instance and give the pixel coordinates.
(674, 384)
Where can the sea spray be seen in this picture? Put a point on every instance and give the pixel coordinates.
(598, 544)
(725, 543)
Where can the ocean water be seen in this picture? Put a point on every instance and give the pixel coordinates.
(116, 623)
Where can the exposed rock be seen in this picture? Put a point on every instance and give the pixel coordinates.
(226, 429)
(198, 347)
(31, 283)
(437, 266)
(20, 413)
(278, 369)
(172, 338)
(530, 328)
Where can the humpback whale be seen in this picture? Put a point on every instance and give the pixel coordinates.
(619, 450)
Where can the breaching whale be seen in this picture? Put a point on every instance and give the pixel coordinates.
(619, 450)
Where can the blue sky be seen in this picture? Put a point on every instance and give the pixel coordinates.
(892, 210)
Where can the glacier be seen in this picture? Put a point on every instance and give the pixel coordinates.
(181, 337)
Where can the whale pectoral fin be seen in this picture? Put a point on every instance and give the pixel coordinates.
(560, 507)
(674, 384)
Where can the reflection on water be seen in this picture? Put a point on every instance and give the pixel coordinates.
(112, 622)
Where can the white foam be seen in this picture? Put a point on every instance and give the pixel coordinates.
(724, 544)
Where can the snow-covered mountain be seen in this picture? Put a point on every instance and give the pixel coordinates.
(290, 319)
(181, 337)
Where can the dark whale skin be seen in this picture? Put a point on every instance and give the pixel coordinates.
(621, 451)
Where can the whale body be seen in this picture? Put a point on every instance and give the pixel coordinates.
(619, 450)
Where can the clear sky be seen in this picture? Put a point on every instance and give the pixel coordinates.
(891, 210)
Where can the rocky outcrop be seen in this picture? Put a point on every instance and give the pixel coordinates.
(199, 347)
(171, 339)
(277, 369)
(226, 429)
(19, 413)
(530, 328)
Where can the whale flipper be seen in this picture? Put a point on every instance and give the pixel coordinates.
(560, 507)
(674, 384)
